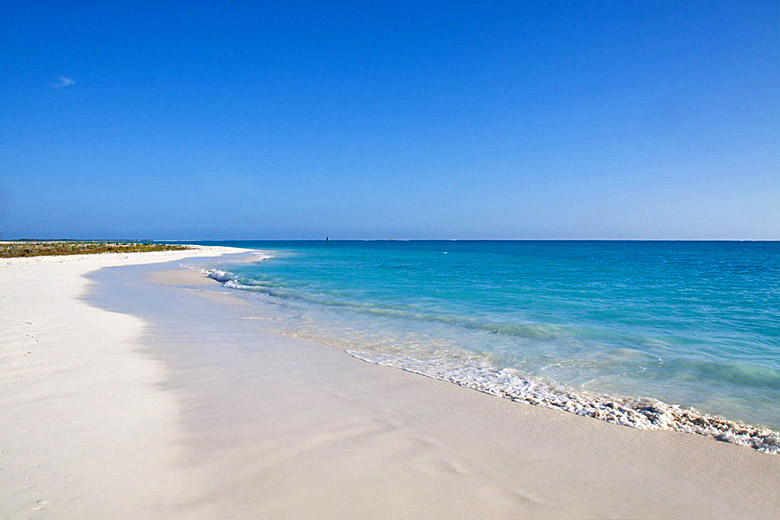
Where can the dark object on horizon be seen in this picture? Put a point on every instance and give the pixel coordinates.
(326, 239)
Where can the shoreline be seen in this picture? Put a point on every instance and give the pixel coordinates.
(250, 423)
(641, 412)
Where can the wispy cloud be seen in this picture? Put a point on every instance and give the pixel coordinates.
(63, 82)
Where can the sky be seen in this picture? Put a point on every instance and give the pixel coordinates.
(370, 120)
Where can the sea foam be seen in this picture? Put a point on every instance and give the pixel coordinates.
(642, 413)
(218, 275)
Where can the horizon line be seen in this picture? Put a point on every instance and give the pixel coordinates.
(116, 239)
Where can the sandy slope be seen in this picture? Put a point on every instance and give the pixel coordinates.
(224, 422)
(85, 431)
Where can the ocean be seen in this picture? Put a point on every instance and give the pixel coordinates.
(669, 335)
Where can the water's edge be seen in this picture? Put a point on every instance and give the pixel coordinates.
(641, 413)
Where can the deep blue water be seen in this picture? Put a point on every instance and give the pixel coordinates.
(689, 323)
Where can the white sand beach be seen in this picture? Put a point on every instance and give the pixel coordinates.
(105, 417)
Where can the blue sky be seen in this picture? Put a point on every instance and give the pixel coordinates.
(199, 120)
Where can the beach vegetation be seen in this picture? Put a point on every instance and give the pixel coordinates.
(66, 247)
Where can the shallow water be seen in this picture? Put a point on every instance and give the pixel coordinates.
(695, 324)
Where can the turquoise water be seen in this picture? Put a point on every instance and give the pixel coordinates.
(695, 324)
